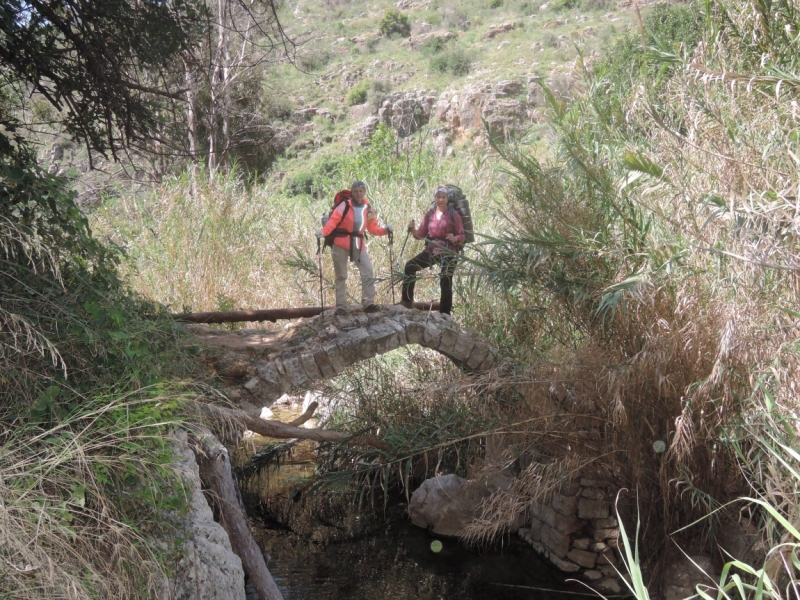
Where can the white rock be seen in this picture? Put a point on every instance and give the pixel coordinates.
(266, 413)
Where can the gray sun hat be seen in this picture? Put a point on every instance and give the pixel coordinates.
(358, 184)
(441, 190)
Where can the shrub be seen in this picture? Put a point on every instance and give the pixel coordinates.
(316, 59)
(432, 46)
(358, 93)
(454, 62)
(394, 23)
(378, 88)
(495, 4)
(300, 183)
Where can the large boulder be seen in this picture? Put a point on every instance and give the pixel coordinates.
(686, 573)
(446, 504)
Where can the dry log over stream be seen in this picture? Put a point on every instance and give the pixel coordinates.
(269, 314)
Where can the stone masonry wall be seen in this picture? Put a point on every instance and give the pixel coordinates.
(577, 532)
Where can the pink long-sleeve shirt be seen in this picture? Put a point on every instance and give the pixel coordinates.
(436, 230)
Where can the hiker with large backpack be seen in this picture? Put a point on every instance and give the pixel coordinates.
(344, 231)
(443, 231)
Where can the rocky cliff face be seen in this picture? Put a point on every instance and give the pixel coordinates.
(507, 108)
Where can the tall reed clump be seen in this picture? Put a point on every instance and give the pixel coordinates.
(652, 259)
(85, 405)
(219, 242)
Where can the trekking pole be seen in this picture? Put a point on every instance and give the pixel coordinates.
(319, 260)
(430, 308)
(404, 244)
(391, 263)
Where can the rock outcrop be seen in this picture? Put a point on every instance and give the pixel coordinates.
(207, 568)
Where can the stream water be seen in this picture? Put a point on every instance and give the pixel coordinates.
(395, 560)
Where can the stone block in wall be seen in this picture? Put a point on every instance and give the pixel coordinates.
(384, 337)
(536, 529)
(598, 547)
(566, 505)
(607, 523)
(555, 541)
(295, 371)
(593, 493)
(570, 488)
(607, 557)
(324, 364)
(268, 373)
(592, 509)
(605, 534)
(310, 366)
(566, 566)
(581, 543)
(431, 337)
(609, 586)
(488, 362)
(592, 575)
(583, 558)
(608, 571)
(414, 332)
(591, 482)
(463, 347)
(547, 514)
(401, 331)
(448, 341)
(477, 355)
(336, 356)
(358, 344)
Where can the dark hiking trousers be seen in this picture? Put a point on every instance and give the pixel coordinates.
(423, 260)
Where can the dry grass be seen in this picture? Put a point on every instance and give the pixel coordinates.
(220, 244)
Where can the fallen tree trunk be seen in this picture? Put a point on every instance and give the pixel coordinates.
(284, 431)
(217, 475)
(270, 314)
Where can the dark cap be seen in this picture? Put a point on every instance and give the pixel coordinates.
(358, 184)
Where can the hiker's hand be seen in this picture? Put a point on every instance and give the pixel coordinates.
(389, 228)
(451, 238)
(412, 226)
(318, 233)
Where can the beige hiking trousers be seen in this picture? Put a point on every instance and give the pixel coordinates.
(341, 256)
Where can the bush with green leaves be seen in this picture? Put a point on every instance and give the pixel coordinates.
(394, 23)
(455, 61)
(432, 45)
(358, 93)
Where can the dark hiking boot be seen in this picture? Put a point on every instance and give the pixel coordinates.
(372, 308)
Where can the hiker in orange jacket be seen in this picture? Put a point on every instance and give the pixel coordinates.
(348, 222)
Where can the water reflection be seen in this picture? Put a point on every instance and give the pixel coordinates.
(398, 564)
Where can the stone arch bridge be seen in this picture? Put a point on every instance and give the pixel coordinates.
(267, 363)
